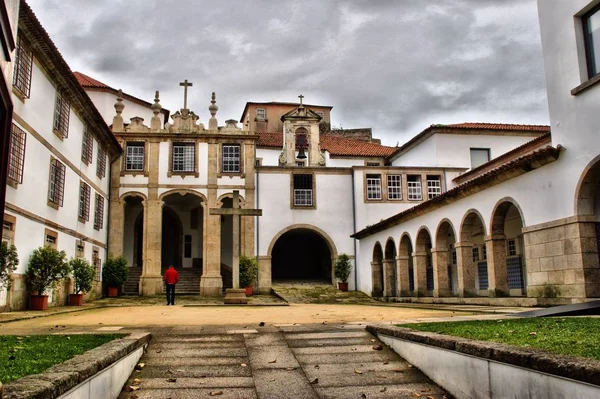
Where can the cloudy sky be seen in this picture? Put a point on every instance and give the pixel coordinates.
(394, 65)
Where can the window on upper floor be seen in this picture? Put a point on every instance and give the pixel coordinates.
(99, 212)
(261, 113)
(591, 34)
(23, 65)
(101, 165)
(479, 156)
(373, 187)
(394, 187)
(231, 158)
(87, 146)
(511, 247)
(134, 156)
(475, 254)
(303, 190)
(434, 186)
(184, 157)
(84, 202)
(57, 183)
(16, 157)
(61, 115)
(413, 187)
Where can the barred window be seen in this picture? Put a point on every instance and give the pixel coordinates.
(261, 113)
(101, 166)
(303, 190)
(374, 187)
(57, 182)
(134, 157)
(96, 262)
(61, 115)
(99, 212)
(413, 185)
(184, 157)
(475, 254)
(16, 158)
(394, 187)
(231, 158)
(84, 201)
(484, 252)
(434, 186)
(512, 248)
(87, 146)
(23, 65)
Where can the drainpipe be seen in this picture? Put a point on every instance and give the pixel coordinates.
(354, 232)
(256, 181)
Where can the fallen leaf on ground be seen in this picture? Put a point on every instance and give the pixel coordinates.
(261, 324)
(216, 393)
(158, 351)
(380, 376)
(136, 381)
(357, 371)
(139, 366)
(533, 333)
(415, 395)
(410, 366)
(243, 365)
(291, 368)
(383, 389)
(316, 366)
(171, 379)
(430, 397)
(373, 340)
(353, 349)
(133, 388)
(273, 361)
(378, 347)
(315, 381)
(426, 390)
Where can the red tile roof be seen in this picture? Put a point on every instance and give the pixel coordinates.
(497, 126)
(86, 81)
(335, 145)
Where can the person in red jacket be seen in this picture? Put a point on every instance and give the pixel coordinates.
(171, 278)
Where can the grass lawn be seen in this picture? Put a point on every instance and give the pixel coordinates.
(25, 355)
(570, 336)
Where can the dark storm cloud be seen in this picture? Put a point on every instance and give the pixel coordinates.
(391, 65)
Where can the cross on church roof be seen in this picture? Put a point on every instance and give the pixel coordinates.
(185, 85)
(300, 97)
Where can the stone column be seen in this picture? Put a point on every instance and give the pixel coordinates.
(388, 278)
(248, 223)
(441, 279)
(151, 279)
(496, 259)
(376, 271)
(466, 269)
(420, 273)
(211, 283)
(264, 274)
(117, 226)
(403, 283)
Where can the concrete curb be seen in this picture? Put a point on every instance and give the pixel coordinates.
(65, 376)
(575, 368)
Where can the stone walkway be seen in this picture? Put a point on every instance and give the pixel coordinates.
(282, 361)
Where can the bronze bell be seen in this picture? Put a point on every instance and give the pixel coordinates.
(301, 154)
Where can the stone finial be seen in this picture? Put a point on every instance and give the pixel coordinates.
(155, 123)
(213, 108)
(118, 118)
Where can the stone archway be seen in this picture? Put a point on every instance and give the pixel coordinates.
(445, 273)
(423, 264)
(406, 271)
(389, 269)
(507, 271)
(472, 256)
(172, 239)
(377, 271)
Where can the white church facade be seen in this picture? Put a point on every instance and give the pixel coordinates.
(463, 213)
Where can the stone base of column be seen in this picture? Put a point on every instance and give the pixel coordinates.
(442, 293)
(211, 286)
(235, 296)
(467, 294)
(406, 293)
(150, 286)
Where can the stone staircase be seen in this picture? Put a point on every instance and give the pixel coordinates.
(131, 286)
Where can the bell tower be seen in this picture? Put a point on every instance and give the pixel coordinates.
(301, 137)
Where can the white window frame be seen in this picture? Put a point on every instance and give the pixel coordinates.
(261, 114)
(188, 153)
(394, 187)
(414, 190)
(434, 187)
(232, 159)
(133, 158)
(374, 187)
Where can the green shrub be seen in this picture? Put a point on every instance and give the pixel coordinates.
(9, 260)
(47, 267)
(248, 271)
(115, 271)
(342, 268)
(83, 275)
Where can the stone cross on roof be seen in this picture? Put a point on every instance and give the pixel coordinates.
(185, 85)
(300, 97)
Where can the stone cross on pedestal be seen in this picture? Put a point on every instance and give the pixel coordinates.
(300, 97)
(234, 295)
(185, 85)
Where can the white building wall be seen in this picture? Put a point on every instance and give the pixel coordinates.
(270, 157)
(424, 154)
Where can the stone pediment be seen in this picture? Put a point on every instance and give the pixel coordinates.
(137, 125)
(184, 121)
(301, 113)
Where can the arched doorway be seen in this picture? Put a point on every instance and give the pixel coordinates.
(506, 251)
(472, 259)
(133, 230)
(389, 269)
(377, 272)
(445, 261)
(301, 254)
(172, 239)
(405, 267)
(424, 283)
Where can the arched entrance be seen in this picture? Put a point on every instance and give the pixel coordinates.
(172, 239)
(424, 283)
(389, 269)
(301, 254)
(377, 272)
(506, 251)
(445, 265)
(405, 267)
(133, 230)
(472, 257)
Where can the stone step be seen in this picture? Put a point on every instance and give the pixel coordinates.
(214, 370)
(201, 393)
(193, 352)
(208, 382)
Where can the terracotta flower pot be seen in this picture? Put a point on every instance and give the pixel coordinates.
(248, 291)
(38, 302)
(343, 287)
(75, 299)
(113, 292)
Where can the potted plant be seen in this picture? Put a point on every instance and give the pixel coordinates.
(83, 276)
(47, 267)
(114, 274)
(9, 259)
(248, 273)
(342, 269)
